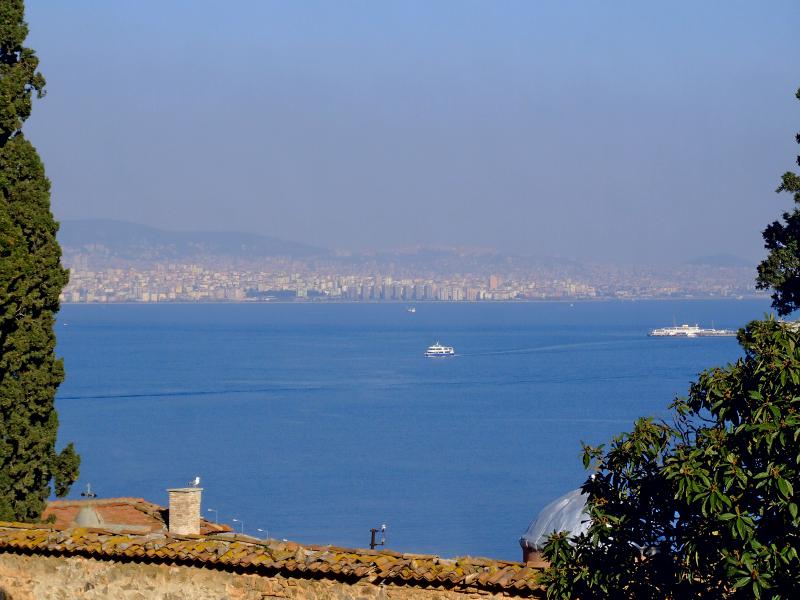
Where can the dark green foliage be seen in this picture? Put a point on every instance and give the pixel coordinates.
(705, 507)
(31, 278)
(781, 269)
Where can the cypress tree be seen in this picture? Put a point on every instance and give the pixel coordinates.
(31, 279)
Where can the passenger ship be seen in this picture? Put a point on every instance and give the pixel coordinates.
(438, 350)
(690, 331)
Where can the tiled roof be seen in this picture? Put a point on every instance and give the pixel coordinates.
(121, 514)
(270, 557)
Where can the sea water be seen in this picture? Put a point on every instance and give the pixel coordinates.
(317, 422)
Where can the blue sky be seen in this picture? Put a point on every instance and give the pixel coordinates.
(616, 131)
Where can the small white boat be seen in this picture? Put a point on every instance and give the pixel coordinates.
(411, 309)
(438, 350)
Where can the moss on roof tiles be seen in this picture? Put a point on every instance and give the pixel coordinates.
(253, 557)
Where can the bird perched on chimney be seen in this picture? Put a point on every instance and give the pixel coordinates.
(195, 482)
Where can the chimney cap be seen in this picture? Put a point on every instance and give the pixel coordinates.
(185, 489)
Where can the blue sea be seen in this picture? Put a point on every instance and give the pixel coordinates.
(317, 422)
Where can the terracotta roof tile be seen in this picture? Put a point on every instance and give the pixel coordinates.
(269, 557)
(122, 514)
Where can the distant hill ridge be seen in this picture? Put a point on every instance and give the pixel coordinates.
(721, 260)
(109, 240)
(133, 241)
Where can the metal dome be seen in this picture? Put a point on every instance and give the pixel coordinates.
(88, 517)
(567, 513)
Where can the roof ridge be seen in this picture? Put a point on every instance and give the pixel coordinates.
(270, 556)
(90, 501)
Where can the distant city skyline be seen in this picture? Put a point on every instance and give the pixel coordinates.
(120, 262)
(622, 133)
(199, 281)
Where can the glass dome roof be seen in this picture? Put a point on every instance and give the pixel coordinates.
(567, 513)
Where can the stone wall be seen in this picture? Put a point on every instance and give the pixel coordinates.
(45, 577)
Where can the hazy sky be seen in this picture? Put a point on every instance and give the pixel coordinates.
(623, 131)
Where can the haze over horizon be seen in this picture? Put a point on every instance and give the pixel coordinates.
(620, 133)
(80, 235)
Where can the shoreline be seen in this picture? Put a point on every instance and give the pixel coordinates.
(419, 302)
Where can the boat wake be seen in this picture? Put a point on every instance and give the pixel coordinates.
(544, 348)
(176, 394)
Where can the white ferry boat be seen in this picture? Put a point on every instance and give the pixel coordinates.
(686, 330)
(716, 333)
(411, 309)
(438, 350)
(682, 331)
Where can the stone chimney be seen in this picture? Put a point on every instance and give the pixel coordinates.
(533, 558)
(184, 510)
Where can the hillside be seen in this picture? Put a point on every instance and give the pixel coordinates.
(131, 241)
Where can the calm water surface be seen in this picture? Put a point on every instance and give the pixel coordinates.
(317, 422)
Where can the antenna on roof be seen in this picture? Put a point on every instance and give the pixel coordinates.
(373, 542)
(88, 493)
